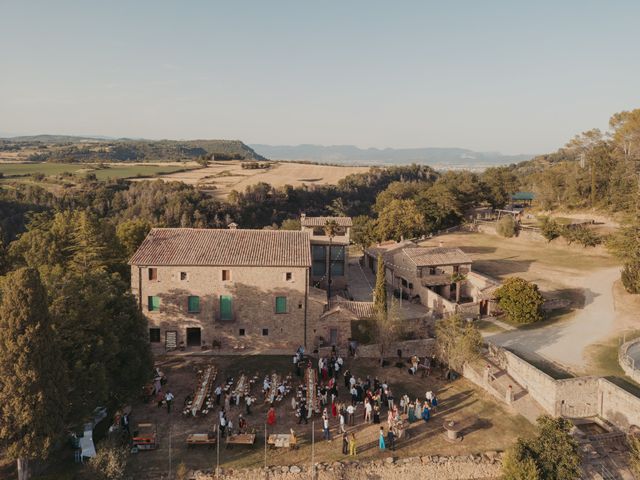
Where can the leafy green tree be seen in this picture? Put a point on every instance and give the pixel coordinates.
(400, 219)
(518, 463)
(634, 454)
(499, 184)
(380, 291)
(110, 462)
(130, 235)
(32, 374)
(363, 232)
(520, 300)
(507, 226)
(550, 228)
(388, 328)
(290, 224)
(625, 245)
(554, 450)
(457, 341)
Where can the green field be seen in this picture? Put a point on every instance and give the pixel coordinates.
(103, 172)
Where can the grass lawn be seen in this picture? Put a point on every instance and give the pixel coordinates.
(112, 170)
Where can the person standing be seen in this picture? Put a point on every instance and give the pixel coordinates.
(325, 427)
(303, 414)
(223, 424)
(342, 422)
(218, 392)
(381, 445)
(345, 444)
(391, 439)
(351, 413)
(248, 401)
(271, 416)
(352, 445)
(169, 399)
(367, 411)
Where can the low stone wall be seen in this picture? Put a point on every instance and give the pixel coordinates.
(421, 348)
(482, 466)
(626, 362)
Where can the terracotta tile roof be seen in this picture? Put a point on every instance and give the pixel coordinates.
(193, 246)
(388, 247)
(426, 257)
(321, 221)
(359, 309)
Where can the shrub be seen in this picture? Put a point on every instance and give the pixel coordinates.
(507, 226)
(110, 462)
(630, 277)
(520, 300)
(634, 454)
(550, 229)
(581, 235)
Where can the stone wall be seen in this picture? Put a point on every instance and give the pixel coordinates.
(574, 397)
(481, 466)
(421, 348)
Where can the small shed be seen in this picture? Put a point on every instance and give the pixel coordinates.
(523, 198)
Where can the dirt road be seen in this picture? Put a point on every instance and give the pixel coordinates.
(564, 342)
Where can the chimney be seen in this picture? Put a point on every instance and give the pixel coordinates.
(233, 226)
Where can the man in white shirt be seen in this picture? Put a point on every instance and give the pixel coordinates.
(367, 411)
(342, 428)
(351, 413)
(169, 399)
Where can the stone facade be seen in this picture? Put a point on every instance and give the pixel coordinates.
(253, 292)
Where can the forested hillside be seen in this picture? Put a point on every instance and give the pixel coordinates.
(594, 170)
(52, 148)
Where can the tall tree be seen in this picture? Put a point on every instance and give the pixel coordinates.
(400, 219)
(130, 234)
(331, 229)
(32, 375)
(380, 291)
(520, 300)
(458, 341)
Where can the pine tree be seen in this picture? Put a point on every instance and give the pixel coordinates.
(32, 375)
(380, 292)
(89, 247)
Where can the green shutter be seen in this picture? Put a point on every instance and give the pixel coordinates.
(194, 304)
(226, 310)
(281, 304)
(154, 304)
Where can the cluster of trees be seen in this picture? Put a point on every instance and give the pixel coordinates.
(552, 229)
(73, 336)
(594, 170)
(551, 455)
(423, 206)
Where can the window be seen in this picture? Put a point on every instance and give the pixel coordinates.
(265, 332)
(153, 303)
(319, 268)
(226, 275)
(193, 304)
(153, 274)
(288, 276)
(154, 335)
(337, 269)
(300, 305)
(456, 268)
(241, 332)
(281, 304)
(226, 309)
(337, 252)
(432, 270)
(318, 252)
(183, 276)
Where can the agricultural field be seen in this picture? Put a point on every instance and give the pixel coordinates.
(219, 178)
(24, 171)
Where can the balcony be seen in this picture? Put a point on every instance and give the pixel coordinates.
(436, 279)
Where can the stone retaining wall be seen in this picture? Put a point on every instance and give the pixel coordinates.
(573, 397)
(481, 466)
(421, 348)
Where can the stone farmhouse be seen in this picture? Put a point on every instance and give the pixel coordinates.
(328, 254)
(232, 288)
(439, 278)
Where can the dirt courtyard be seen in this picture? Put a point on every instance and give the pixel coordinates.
(495, 429)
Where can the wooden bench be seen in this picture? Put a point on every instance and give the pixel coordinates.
(201, 439)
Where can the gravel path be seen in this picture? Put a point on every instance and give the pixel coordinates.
(564, 342)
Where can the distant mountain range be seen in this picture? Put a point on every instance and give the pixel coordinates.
(350, 154)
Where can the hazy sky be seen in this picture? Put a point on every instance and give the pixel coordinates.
(513, 76)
